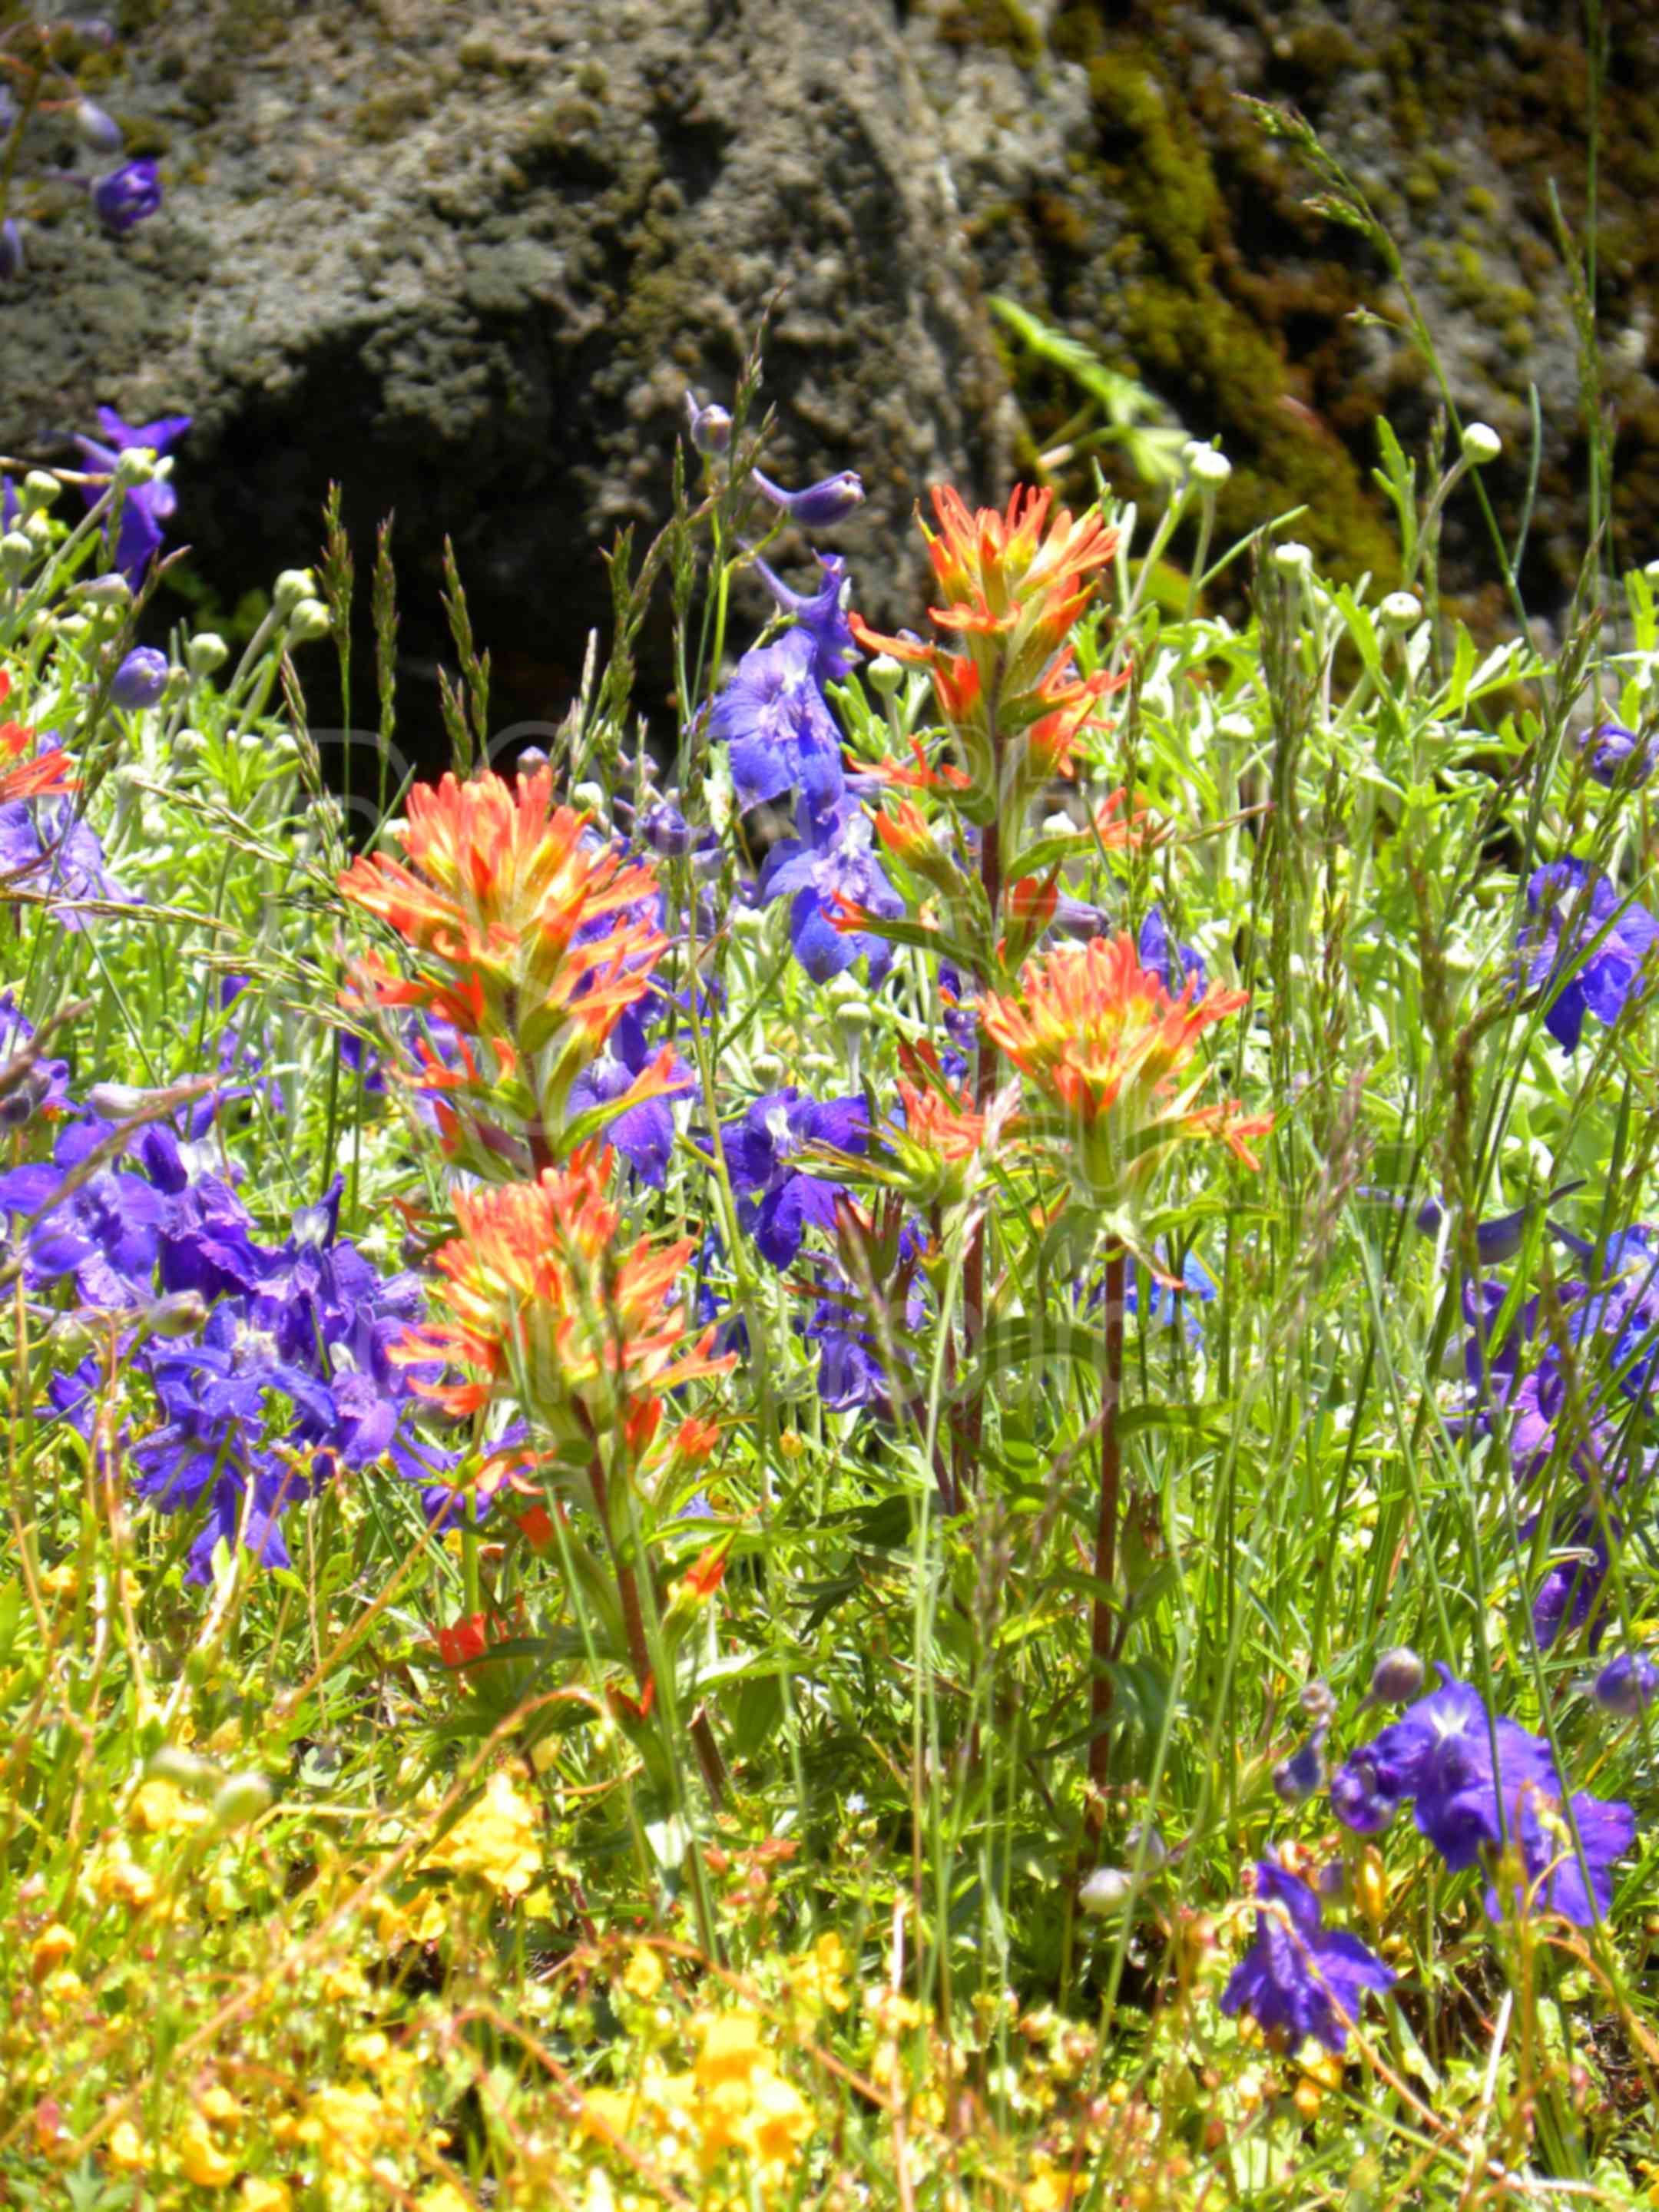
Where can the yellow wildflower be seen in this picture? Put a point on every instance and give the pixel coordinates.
(257, 2196)
(732, 2047)
(216, 2104)
(126, 2148)
(780, 2120)
(644, 1974)
(50, 1948)
(117, 1878)
(159, 1806)
(496, 1839)
(203, 2161)
(817, 1979)
(444, 2196)
(344, 2122)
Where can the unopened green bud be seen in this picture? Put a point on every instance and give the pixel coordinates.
(290, 588)
(38, 530)
(206, 653)
(1292, 558)
(308, 621)
(17, 556)
(134, 466)
(1401, 610)
(184, 1769)
(1482, 444)
(1208, 466)
(40, 490)
(590, 796)
(181, 1313)
(240, 1801)
(1108, 1889)
(884, 675)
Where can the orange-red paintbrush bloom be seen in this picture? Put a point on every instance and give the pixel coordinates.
(24, 774)
(1014, 583)
(547, 1303)
(524, 928)
(1102, 1041)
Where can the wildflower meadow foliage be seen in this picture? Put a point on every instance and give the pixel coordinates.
(891, 1444)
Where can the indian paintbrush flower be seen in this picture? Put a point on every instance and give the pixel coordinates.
(526, 932)
(1104, 1045)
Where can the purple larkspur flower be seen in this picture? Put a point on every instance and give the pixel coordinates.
(97, 128)
(643, 1134)
(1477, 1785)
(779, 1199)
(127, 195)
(852, 1354)
(1300, 1978)
(45, 1089)
(44, 844)
(1609, 746)
(817, 506)
(1555, 951)
(1176, 966)
(1626, 1684)
(779, 734)
(822, 614)
(836, 862)
(12, 262)
(140, 678)
(144, 507)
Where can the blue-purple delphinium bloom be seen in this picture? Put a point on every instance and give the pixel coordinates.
(778, 1200)
(822, 615)
(144, 507)
(140, 678)
(44, 844)
(1300, 1978)
(780, 735)
(817, 506)
(1476, 1784)
(1609, 746)
(45, 1089)
(1175, 965)
(643, 1134)
(11, 250)
(853, 1369)
(292, 1378)
(1555, 955)
(833, 860)
(127, 195)
(1626, 1684)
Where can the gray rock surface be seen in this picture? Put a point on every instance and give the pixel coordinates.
(470, 258)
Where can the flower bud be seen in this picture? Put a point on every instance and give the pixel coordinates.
(184, 1769)
(309, 621)
(830, 500)
(884, 675)
(1627, 1683)
(19, 1103)
(206, 653)
(290, 588)
(12, 263)
(111, 591)
(665, 829)
(117, 1102)
(40, 489)
(241, 1800)
(97, 128)
(711, 428)
(189, 745)
(181, 1313)
(127, 195)
(1482, 444)
(1317, 1700)
(1399, 610)
(1108, 1889)
(17, 556)
(1303, 1772)
(1210, 467)
(1397, 1677)
(135, 464)
(1143, 1841)
(141, 679)
(1292, 558)
(530, 760)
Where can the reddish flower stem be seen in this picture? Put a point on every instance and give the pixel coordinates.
(1103, 1638)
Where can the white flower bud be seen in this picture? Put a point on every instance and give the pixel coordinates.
(309, 620)
(109, 591)
(40, 490)
(590, 796)
(290, 588)
(1108, 1889)
(135, 464)
(1208, 466)
(17, 556)
(884, 675)
(1292, 558)
(1401, 610)
(1482, 444)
